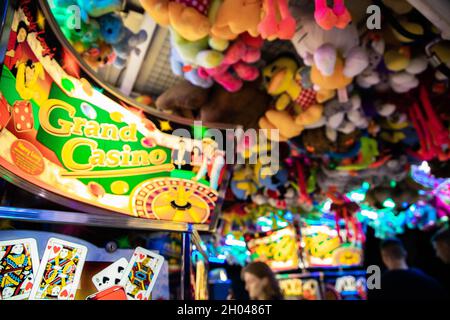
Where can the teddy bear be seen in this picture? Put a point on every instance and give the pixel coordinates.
(216, 104)
(122, 39)
(189, 18)
(234, 17)
(236, 67)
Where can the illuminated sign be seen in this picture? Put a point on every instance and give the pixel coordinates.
(61, 133)
(279, 248)
(307, 289)
(323, 248)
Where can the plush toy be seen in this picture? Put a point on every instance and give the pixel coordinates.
(433, 136)
(404, 68)
(334, 55)
(243, 183)
(97, 8)
(327, 18)
(99, 57)
(123, 41)
(234, 17)
(236, 67)
(189, 18)
(289, 84)
(345, 209)
(439, 57)
(277, 21)
(216, 104)
(344, 117)
(83, 38)
(375, 46)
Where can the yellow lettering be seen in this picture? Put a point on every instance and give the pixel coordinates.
(113, 158)
(92, 129)
(78, 124)
(68, 151)
(45, 113)
(109, 132)
(126, 155)
(157, 156)
(98, 158)
(128, 133)
(139, 158)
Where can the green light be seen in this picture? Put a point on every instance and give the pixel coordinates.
(366, 185)
(389, 203)
(199, 132)
(393, 183)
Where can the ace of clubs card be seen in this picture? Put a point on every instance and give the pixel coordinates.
(60, 271)
(19, 264)
(141, 274)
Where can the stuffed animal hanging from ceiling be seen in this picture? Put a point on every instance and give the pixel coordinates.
(328, 18)
(346, 210)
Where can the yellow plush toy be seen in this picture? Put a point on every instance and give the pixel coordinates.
(235, 17)
(189, 20)
(326, 86)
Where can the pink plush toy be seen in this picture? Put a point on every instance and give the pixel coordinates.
(327, 18)
(237, 59)
(277, 21)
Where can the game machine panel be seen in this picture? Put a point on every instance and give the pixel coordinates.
(108, 161)
(303, 286)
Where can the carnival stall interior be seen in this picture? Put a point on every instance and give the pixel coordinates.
(151, 149)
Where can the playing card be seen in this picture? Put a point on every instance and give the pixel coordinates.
(111, 275)
(60, 271)
(141, 273)
(19, 264)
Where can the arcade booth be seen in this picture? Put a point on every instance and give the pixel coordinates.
(149, 150)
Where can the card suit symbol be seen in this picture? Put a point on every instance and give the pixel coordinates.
(141, 256)
(49, 247)
(71, 296)
(28, 286)
(56, 249)
(120, 269)
(105, 280)
(64, 293)
(117, 281)
(140, 296)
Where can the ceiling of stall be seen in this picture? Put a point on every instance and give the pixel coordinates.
(154, 75)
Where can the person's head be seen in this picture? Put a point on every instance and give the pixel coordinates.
(393, 254)
(22, 32)
(441, 244)
(260, 282)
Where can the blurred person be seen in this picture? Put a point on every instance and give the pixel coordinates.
(441, 245)
(400, 282)
(260, 282)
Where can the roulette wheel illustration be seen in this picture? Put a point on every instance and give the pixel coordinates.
(174, 200)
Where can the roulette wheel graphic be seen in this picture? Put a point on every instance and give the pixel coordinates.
(174, 200)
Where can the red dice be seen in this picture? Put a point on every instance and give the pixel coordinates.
(23, 116)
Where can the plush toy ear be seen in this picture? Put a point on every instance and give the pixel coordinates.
(325, 59)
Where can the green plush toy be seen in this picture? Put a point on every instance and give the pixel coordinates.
(206, 52)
